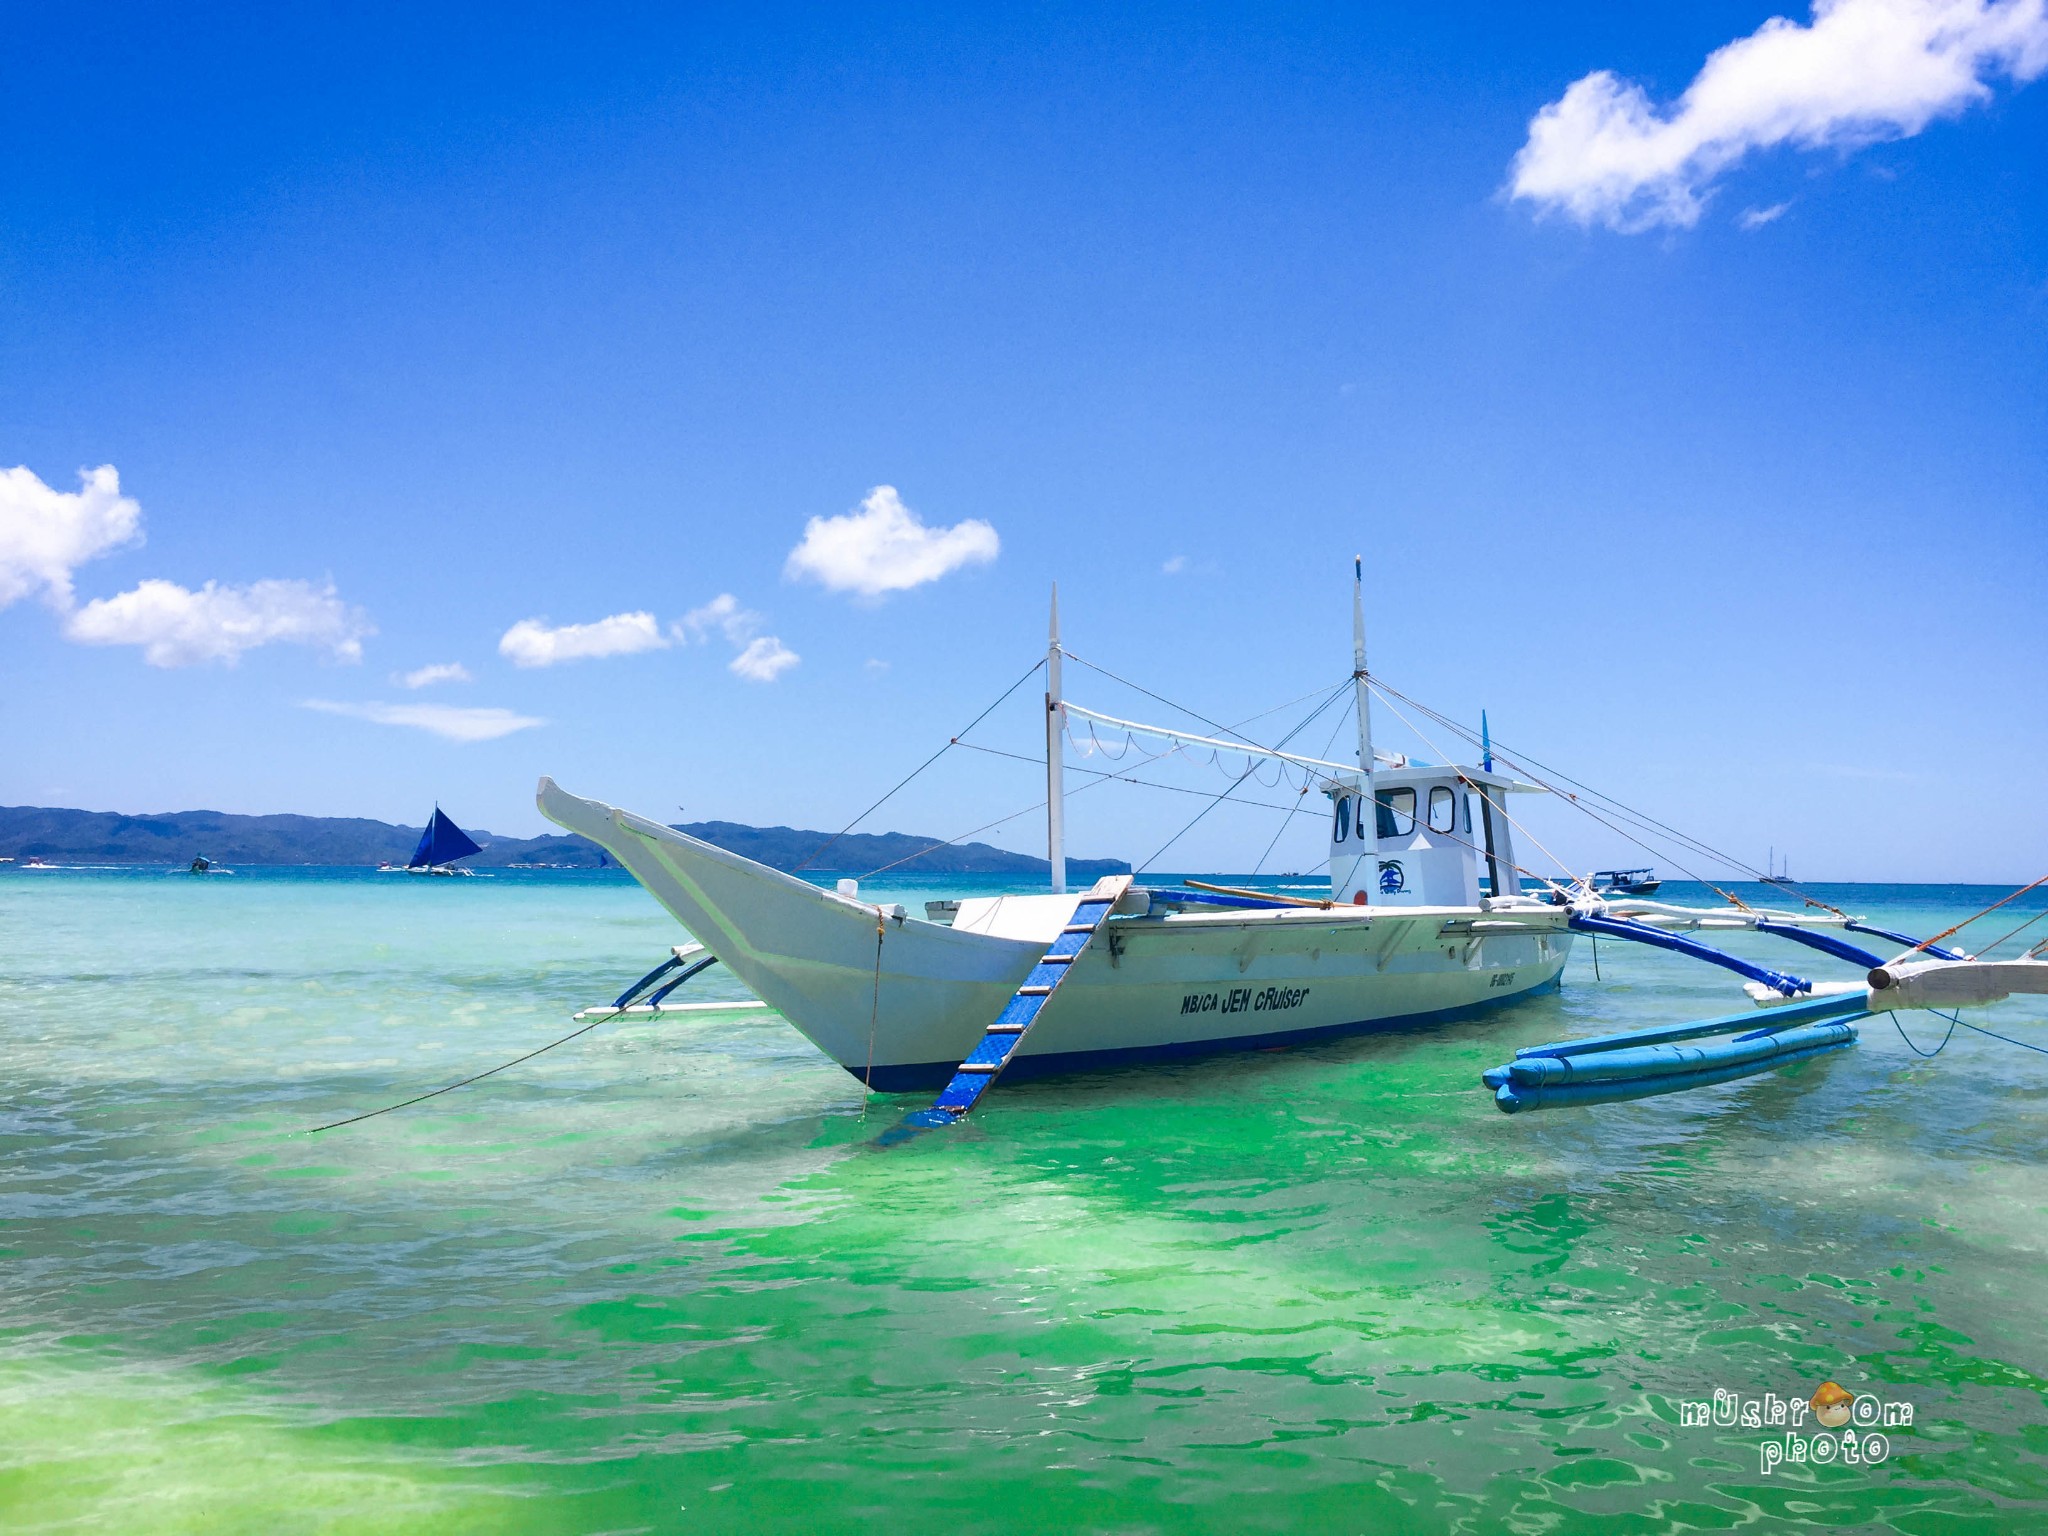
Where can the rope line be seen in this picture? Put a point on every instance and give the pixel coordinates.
(1287, 820)
(1959, 927)
(1125, 778)
(949, 842)
(2008, 1039)
(1499, 805)
(1953, 1021)
(1307, 721)
(867, 1080)
(1642, 819)
(335, 1125)
(920, 768)
(2015, 933)
(1728, 896)
(1229, 730)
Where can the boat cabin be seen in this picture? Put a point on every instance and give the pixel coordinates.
(1431, 837)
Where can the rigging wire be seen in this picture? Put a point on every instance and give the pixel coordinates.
(1959, 927)
(2015, 933)
(1728, 896)
(1288, 820)
(1195, 714)
(1639, 818)
(1125, 778)
(1498, 805)
(920, 768)
(1308, 720)
(949, 842)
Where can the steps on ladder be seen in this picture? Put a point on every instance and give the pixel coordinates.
(985, 1063)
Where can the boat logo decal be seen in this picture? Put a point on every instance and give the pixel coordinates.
(1392, 877)
(1244, 999)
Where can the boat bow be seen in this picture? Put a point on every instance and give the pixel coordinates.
(832, 965)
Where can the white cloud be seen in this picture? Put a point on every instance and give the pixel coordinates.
(1175, 566)
(1863, 71)
(177, 627)
(532, 643)
(450, 721)
(883, 548)
(45, 534)
(1757, 218)
(723, 613)
(764, 660)
(761, 659)
(439, 672)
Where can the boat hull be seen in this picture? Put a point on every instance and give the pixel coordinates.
(899, 1002)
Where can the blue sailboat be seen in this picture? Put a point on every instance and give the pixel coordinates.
(441, 844)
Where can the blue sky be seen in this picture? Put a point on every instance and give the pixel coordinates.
(1714, 465)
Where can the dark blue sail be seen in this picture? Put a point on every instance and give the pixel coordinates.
(441, 842)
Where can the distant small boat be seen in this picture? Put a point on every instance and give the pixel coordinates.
(202, 865)
(35, 862)
(441, 844)
(1626, 882)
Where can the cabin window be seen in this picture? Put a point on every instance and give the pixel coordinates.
(1468, 814)
(1443, 809)
(1343, 818)
(1396, 812)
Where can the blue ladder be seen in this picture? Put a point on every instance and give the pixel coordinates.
(985, 1063)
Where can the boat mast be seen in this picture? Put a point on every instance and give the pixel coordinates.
(1358, 674)
(1055, 740)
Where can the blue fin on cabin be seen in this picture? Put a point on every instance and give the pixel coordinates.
(441, 842)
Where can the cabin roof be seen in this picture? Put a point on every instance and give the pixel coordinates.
(1415, 774)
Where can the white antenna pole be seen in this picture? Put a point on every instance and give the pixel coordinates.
(1358, 673)
(1055, 744)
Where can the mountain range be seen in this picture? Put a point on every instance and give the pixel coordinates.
(177, 837)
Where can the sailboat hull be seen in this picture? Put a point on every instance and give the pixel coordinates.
(899, 1002)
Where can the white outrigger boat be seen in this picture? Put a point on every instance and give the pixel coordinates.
(1424, 922)
(1405, 937)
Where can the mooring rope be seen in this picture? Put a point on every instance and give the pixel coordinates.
(1953, 1021)
(1956, 1021)
(867, 1080)
(336, 1125)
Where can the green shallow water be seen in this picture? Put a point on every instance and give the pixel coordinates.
(658, 1280)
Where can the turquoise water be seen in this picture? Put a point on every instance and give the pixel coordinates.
(659, 1281)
